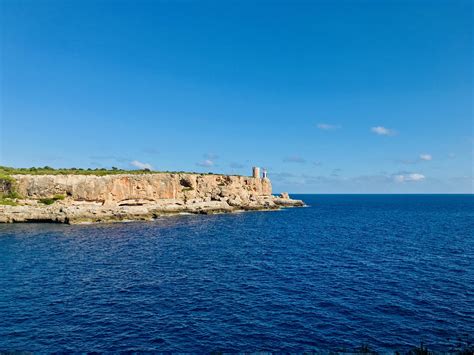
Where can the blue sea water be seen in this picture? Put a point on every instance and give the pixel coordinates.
(387, 271)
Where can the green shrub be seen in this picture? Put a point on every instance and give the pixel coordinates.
(51, 200)
(4, 176)
(46, 201)
(7, 187)
(7, 202)
(6, 172)
(12, 194)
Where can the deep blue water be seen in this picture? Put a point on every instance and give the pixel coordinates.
(388, 271)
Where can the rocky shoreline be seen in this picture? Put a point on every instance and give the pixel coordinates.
(90, 212)
(77, 199)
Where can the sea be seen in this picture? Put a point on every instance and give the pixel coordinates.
(346, 273)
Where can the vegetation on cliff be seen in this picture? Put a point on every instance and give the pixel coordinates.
(47, 170)
(5, 178)
(6, 201)
(50, 201)
(8, 194)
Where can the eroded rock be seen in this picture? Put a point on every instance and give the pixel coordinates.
(90, 198)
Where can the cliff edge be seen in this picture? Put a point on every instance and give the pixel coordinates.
(74, 198)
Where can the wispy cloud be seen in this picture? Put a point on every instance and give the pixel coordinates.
(140, 165)
(294, 159)
(421, 158)
(382, 131)
(336, 172)
(209, 160)
(336, 179)
(327, 126)
(411, 177)
(206, 163)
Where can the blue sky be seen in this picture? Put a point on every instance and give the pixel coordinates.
(329, 96)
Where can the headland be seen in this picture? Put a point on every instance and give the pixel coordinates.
(88, 196)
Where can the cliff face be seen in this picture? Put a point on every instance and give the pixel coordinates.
(123, 189)
(89, 198)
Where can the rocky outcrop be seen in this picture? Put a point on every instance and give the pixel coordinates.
(89, 198)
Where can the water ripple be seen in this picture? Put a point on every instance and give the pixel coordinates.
(386, 271)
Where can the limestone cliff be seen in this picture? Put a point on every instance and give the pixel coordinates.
(118, 189)
(85, 198)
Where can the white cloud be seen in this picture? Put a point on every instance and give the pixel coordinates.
(426, 157)
(413, 177)
(206, 163)
(382, 131)
(327, 127)
(140, 165)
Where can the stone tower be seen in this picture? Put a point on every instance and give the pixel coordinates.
(256, 172)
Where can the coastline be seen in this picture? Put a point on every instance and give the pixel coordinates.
(77, 213)
(74, 199)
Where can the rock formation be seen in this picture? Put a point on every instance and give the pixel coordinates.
(90, 198)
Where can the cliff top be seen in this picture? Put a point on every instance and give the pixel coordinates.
(6, 172)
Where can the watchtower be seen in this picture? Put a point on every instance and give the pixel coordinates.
(256, 172)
